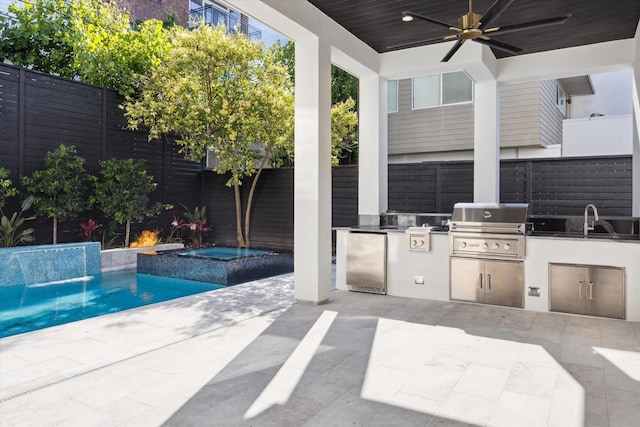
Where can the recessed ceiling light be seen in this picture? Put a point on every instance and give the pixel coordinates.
(406, 17)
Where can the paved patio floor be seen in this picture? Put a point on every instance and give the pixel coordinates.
(249, 356)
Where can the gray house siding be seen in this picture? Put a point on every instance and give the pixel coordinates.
(528, 118)
(551, 117)
(430, 129)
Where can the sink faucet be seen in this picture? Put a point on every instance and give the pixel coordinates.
(588, 227)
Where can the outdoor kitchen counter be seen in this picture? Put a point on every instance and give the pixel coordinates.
(405, 267)
(591, 251)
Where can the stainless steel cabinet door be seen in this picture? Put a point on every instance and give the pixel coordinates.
(605, 291)
(504, 283)
(567, 288)
(467, 279)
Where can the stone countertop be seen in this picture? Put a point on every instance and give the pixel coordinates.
(386, 229)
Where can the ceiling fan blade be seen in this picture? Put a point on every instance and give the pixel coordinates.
(416, 43)
(529, 25)
(493, 12)
(499, 45)
(424, 18)
(453, 50)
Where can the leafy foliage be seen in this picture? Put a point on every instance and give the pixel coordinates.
(6, 187)
(10, 234)
(344, 111)
(59, 188)
(85, 39)
(223, 93)
(122, 192)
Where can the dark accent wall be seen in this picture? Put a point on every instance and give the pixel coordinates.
(39, 112)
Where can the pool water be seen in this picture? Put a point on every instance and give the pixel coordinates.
(220, 252)
(28, 308)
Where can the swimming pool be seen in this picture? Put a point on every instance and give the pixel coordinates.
(25, 308)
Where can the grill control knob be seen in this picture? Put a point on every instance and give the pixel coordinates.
(496, 246)
(485, 246)
(507, 246)
(463, 244)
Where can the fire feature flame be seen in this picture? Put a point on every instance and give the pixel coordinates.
(146, 239)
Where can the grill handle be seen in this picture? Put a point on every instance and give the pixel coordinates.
(480, 275)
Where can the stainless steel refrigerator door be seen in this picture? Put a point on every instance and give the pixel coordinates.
(367, 260)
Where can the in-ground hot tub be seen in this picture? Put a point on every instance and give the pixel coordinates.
(217, 264)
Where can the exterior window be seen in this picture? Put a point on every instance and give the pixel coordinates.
(426, 91)
(456, 88)
(561, 100)
(442, 89)
(392, 96)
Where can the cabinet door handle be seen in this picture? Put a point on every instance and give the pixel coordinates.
(590, 290)
(580, 290)
(488, 281)
(480, 280)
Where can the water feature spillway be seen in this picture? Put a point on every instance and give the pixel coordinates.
(39, 264)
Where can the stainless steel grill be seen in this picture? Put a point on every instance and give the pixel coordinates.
(487, 250)
(488, 230)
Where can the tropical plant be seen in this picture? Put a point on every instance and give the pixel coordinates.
(60, 187)
(177, 229)
(10, 234)
(122, 192)
(86, 39)
(6, 187)
(196, 223)
(223, 94)
(89, 227)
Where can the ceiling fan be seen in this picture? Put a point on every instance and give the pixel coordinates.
(474, 26)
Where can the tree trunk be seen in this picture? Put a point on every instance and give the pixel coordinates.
(239, 236)
(55, 230)
(247, 215)
(127, 233)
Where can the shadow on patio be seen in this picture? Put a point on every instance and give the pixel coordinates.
(370, 360)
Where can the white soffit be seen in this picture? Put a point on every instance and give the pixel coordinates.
(580, 85)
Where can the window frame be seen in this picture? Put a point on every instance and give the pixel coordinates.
(441, 94)
(565, 98)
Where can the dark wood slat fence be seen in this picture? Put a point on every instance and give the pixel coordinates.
(38, 112)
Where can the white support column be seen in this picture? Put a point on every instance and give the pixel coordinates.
(312, 186)
(486, 154)
(635, 177)
(372, 150)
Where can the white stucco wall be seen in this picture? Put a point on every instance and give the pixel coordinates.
(612, 96)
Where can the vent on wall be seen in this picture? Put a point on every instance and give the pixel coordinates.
(367, 289)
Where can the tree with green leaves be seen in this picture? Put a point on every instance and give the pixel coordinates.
(122, 192)
(59, 188)
(224, 94)
(85, 39)
(344, 110)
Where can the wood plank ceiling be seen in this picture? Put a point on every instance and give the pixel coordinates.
(378, 23)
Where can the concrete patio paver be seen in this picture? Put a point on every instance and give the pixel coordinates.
(250, 356)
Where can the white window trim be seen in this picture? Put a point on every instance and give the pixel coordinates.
(440, 105)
